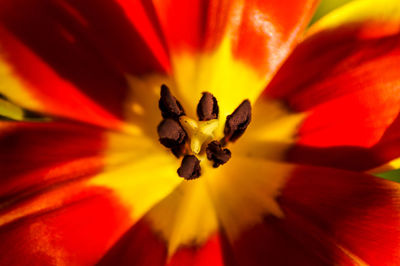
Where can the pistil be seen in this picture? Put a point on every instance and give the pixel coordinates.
(199, 132)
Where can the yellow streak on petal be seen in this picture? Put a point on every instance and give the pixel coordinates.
(185, 217)
(379, 16)
(356, 260)
(14, 88)
(139, 170)
(228, 79)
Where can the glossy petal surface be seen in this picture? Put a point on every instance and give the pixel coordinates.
(344, 76)
(229, 48)
(68, 58)
(328, 217)
(44, 196)
(77, 194)
(54, 172)
(35, 155)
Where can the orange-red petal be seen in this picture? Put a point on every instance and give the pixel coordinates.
(229, 48)
(258, 29)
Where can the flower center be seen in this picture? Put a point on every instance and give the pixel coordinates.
(192, 138)
(199, 132)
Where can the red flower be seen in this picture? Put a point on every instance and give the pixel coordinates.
(91, 183)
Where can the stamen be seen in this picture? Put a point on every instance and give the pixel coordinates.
(170, 107)
(237, 122)
(190, 167)
(216, 154)
(170, 133)
(207, 108)
(179, 150)
(177, 128)
(198, 132)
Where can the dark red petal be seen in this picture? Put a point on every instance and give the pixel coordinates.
(37, 155)
(330, 217)
(68, 53)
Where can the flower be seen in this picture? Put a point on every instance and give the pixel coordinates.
(92, 184)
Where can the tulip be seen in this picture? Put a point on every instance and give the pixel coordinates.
(194, 132)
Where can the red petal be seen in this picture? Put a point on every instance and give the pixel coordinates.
(73, 54)
(269, 29)
(330, 217)
(69, 235)
(347, 82)
(178, 230)
(349, 157)
(70, 182)
(138, 246)
(209, 254)
(143, 17)
(36, 155)
(262, 32)
(141, 246)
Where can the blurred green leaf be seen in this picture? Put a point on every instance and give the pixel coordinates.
(327, 6)
(393, 175)
(10, 110)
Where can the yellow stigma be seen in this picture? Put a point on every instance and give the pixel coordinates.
(199, 132)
